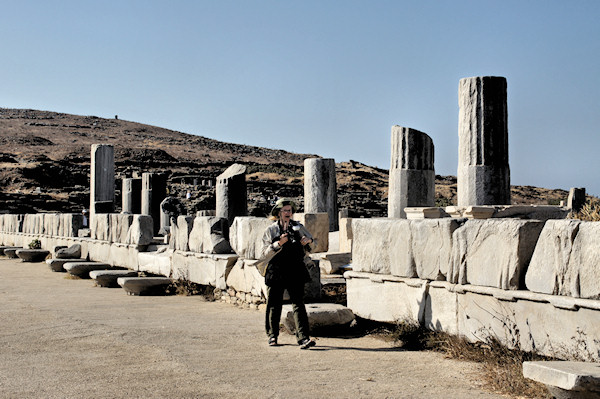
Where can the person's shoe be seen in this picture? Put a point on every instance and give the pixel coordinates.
(307, 343)
(272, 341)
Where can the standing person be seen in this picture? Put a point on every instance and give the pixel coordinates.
(284, 243)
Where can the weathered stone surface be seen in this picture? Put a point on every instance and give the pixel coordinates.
(573, 379)
(119, 226)
(385, 298)
(108, 278)
(412, 175)
(493, 253)
(576, 199)
(537, 212)
(33, 223)
(321, 316)
(330, 262)
(205, 269)
(132, 196)
(102, 177)
(100, 227)
(554, 326)
(584, 262)
(549, 270)
(11, 252)
(417, 213)
(483, 176)
(2, 248)
(180, 233)
(244, 277)
(140, 232)
(56, 265)
(143, 285)
(432, 246)
(210, 235)
(479, 212)
(383, 246)
(32, 255)
(246, 235)
(72, 252)
(155, 262)
(320, 189)
(82, 269)
(154, 190)
(318, 226)
(345, 235)
(231, 193)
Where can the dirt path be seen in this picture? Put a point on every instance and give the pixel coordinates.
(62, 338)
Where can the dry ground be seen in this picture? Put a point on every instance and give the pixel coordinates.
(62, 338)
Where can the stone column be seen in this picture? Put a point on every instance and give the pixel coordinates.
(320, 189)
(132, 196)
(231, 193)
(102, 179)
(483, 171)
(154, 190)
(576, 199)
(412, 174)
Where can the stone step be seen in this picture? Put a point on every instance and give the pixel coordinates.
(32, 255)
(12, 252)
(330, 279)
(56, 265)
(143, 285)
(83, 269)
(108, 278)
(3, 247)
(566, 379)
(321, 317)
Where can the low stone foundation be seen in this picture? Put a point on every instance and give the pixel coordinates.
(551, 325)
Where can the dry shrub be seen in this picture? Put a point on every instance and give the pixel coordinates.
(185, 287)
(590, 211)
(502, 367)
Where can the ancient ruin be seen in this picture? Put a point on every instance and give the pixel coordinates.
(320, 189)
(483, 170)
(412, 172)
(525, 275)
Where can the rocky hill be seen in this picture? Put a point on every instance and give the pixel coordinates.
(44, 166)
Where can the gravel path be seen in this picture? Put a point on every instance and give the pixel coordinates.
(63, 338)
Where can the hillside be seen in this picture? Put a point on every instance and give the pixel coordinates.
(44, 166)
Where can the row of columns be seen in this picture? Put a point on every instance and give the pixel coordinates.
(483, 176)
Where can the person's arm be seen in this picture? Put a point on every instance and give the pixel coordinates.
(270, 245)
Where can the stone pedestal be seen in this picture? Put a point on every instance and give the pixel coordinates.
(412, 174)
(132, 196)
(231, 194)
(320, 189)
(102, 179)
(483, 170)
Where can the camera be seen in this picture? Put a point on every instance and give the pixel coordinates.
(293, 233)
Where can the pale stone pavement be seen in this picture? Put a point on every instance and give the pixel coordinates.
(63, 338)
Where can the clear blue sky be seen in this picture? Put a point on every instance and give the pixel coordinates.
(328, 77)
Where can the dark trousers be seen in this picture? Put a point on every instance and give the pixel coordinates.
(274, 304)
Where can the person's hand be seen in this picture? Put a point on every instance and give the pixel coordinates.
(305, 240)
(283, 239)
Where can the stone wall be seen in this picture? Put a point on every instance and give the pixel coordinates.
(533, 285)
